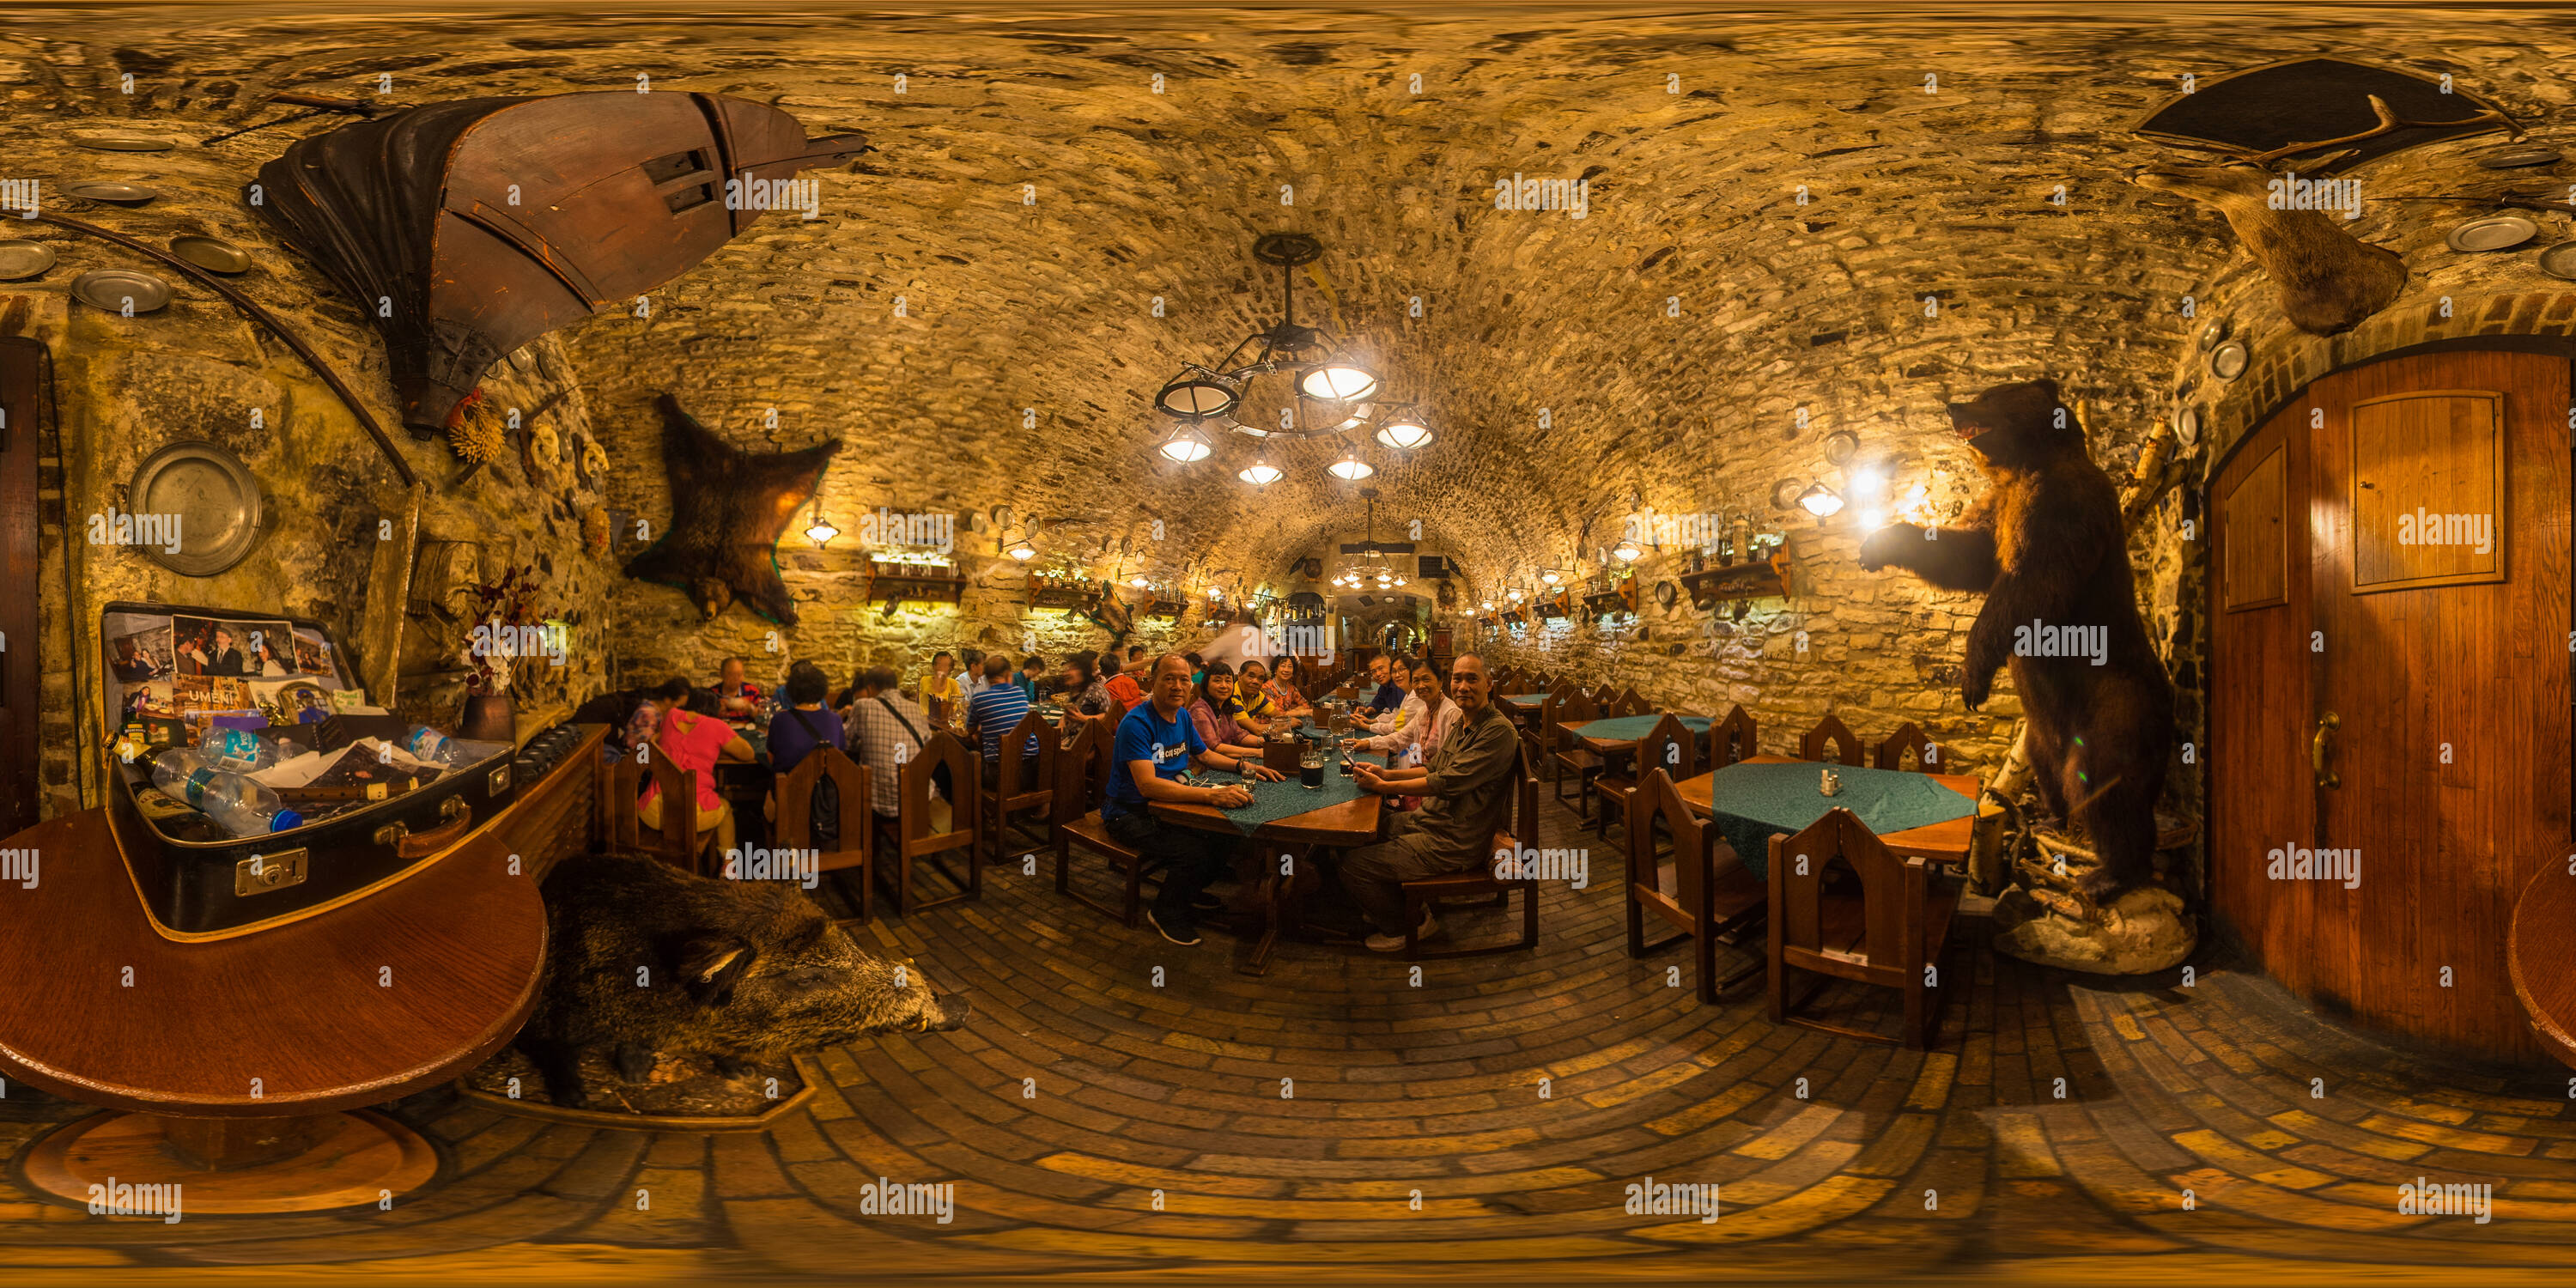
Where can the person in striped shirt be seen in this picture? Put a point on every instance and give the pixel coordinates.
(992, 711)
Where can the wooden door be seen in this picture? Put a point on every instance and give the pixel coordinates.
(2419, 640)
(24, 377)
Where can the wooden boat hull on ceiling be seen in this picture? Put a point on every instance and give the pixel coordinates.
(467, 229)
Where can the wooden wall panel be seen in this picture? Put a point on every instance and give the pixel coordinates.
(25, 399)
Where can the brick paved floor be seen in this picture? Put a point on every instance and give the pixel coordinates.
(1340, 1116)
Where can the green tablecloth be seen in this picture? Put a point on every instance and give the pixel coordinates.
(1272, 802)
(1751, 802)
(1531, 700)
(1631, 728)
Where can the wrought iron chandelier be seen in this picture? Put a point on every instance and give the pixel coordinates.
(1331, 392)
(1373, 562)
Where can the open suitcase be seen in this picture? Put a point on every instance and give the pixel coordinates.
(173, 671)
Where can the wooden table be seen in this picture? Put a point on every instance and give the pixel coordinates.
(1346, 825)
(1945, 841)
(235, 1061)
(2544, 921)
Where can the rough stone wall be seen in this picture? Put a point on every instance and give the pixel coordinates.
(198, 369)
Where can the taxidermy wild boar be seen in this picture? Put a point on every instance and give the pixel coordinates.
(647, 958)
(2329, 280)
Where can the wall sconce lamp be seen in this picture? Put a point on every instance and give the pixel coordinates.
(1821, 501)
(820, 532)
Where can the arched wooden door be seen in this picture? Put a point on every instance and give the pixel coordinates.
(2389, 701)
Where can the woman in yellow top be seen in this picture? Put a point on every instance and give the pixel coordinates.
(939, 689)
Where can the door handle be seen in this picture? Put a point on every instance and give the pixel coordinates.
(2320, 745)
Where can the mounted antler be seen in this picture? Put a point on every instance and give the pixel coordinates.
(2388, 122)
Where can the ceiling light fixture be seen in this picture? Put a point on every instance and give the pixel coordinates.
(1260, 473)
(1022, 551)
(1330, 391)
(1628, 551)
(1351, 467)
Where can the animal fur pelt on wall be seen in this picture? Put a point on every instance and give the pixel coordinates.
(728, 508)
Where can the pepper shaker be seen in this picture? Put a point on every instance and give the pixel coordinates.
(1832, 784)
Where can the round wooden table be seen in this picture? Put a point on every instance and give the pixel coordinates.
(2544, 922)
(236, 1062)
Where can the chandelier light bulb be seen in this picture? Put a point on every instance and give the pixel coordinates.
(1337, 382)
(1187, 445)
(1627, 551)
(1023, 551)
(1139, 582)
(1551, 576)
(1352, 467)
(1260, 473)
(822, 532)
(1405, 431)
(1821, 501)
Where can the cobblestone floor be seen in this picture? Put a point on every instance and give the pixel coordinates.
(2290, 1136)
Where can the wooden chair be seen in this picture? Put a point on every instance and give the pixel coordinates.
(677, 841)
(1020, 786)
(1082, 769)
(1731, 740)
(1885, 934)
(794, 825)
(1425, 895)
(1715, 900)
(1565, 752)
(1669, 746)
(910, 829)
(1892, 749)
(1846, 748)
(1629, 704)
(1604, 698)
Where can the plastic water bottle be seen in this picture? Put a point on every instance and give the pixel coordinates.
(429, 746)
(238, 750)
(239, 805)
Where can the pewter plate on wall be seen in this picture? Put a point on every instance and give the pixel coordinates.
(121, 143)
(2230, 360)
(215, 497)
(20, 260)
(112, 288)
(213, 254)
(2500, 232)
(2511, 160)
(2560, 261)
(121, 194)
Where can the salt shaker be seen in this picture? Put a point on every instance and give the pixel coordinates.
(1833, 784)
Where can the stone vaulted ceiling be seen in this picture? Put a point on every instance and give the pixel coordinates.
(1667, 340)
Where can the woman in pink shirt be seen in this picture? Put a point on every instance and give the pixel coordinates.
(695, 739)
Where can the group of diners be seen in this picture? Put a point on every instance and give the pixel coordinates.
(1450, 751)
(1452, 784)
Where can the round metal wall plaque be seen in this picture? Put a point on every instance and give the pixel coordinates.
(2511, 160)
(213, 254)
(20, 260)
(118, 194)
(113, 289)
(2230, 360)
(2186, 426)
(1840, 446)
(1665, 594)
(2560, 261)
(2501, 232)
(216, 501)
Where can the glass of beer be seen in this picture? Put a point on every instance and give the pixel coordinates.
(1310, 767)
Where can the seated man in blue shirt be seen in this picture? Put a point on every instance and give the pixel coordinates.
(1389, 695)
(1154, 744)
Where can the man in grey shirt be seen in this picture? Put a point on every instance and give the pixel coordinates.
(1467, 792)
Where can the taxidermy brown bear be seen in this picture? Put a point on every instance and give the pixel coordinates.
(2047, 547)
